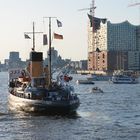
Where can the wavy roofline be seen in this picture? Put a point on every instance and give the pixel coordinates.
(123, 22)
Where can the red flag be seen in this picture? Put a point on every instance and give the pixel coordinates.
(58, 36)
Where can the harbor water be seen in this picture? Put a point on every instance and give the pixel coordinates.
(112, 115)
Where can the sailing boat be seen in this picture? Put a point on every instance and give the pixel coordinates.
(32, 89)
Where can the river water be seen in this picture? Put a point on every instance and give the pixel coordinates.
(112, 115)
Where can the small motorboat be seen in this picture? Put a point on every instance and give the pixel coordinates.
(97, 90)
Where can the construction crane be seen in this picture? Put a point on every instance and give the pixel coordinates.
(92, 13)
(91, 9)
(134, 4)
(93, 44)
(86, 8)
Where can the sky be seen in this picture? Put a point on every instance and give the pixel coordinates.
(17, 16)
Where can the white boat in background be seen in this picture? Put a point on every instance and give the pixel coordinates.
(124, 77)
(98, 77)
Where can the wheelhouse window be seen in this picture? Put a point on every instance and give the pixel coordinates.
(38, 82)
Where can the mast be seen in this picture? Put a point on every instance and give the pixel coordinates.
(49, 63)
(33, 32)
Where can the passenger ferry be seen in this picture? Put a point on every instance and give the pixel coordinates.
(124, 77)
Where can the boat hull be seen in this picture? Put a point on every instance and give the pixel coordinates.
(85, 82)
(122, 82)
(128, 80)
(27, 105)
(97, 91)
(98, 78)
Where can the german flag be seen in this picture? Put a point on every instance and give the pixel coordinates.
(58, 36)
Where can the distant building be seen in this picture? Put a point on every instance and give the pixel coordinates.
(56, 60)
(15, 61)
(54, 55)
(83, 64)
(14, 56)
(6, 64)
(113, 46)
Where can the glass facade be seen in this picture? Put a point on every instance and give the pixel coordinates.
(121, 36)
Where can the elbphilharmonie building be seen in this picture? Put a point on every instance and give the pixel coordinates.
(113, 46)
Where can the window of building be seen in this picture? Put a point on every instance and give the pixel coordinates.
(103, 55)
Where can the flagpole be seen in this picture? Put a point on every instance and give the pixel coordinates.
(49, 63)
(33, 37)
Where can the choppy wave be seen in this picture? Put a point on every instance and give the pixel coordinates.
(112, 115)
